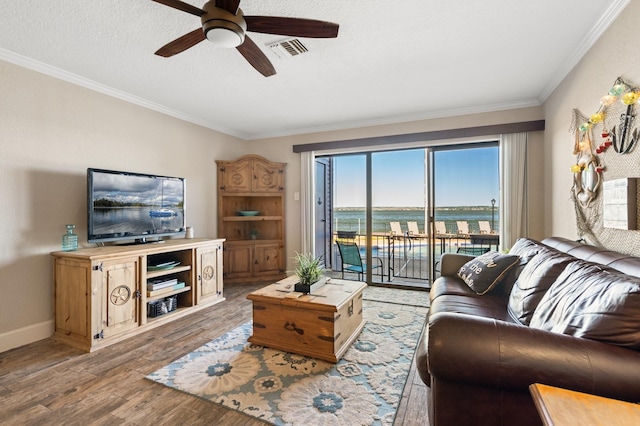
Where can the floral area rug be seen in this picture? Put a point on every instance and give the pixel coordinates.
(395, 295)
(363, 388)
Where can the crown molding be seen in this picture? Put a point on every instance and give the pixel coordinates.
(60, 74)
(402, 119)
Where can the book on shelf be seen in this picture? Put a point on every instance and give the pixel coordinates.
(160, 283)
(163, 290)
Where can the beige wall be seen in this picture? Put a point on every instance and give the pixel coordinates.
(50, 132)
(617, 53)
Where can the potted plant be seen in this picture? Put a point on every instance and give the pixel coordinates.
(309, 271)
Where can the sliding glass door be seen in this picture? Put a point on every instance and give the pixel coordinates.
(463, 199)
(398, 210)
(379, 223)
(404, 208)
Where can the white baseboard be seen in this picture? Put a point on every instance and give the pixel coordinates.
(24, 336)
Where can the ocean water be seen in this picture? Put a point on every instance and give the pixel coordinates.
(353, 218)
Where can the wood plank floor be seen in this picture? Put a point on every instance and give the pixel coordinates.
(47, 383)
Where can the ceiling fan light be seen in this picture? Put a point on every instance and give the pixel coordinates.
(223, 28)
(225, 37)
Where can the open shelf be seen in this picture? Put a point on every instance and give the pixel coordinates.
(164, 272)
(250, 218)
(160, 294)
(151, 320)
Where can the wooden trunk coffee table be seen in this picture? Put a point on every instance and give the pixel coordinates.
(322, 324)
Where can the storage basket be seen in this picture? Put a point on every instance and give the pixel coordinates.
(162, 306)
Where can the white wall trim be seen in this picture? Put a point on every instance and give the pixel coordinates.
(506, 106)
(60, 74)
(24, 336)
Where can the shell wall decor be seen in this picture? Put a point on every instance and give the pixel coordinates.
(604, 145)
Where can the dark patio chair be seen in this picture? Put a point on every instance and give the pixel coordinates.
(352, 262)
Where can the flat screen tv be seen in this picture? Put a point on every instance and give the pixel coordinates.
(134, 206)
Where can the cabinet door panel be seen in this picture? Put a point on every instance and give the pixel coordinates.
(269, 258)
(238, 261)
(209, 274)
(236, 177)
(267, 178)
(120, 283)
(72, 298)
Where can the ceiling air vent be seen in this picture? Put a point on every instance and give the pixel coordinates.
(288, 48)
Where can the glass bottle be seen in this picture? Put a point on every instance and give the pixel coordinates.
(70, 239)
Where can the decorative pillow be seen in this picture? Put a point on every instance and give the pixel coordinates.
(484, 272)
(592, 302)
(533, 282)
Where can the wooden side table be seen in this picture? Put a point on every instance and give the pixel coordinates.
(562, 407)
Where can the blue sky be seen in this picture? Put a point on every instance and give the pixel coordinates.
(464, 177)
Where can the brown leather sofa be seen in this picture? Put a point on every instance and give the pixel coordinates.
(567, 315)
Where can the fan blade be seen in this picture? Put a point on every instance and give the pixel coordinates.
(228, 5)
(256, 58)
(177, 4)
(295, 27)
(181, 44)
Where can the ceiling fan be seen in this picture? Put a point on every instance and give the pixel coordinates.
(224, 24)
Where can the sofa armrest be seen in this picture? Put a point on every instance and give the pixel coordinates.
(451, 262)
(498, 354)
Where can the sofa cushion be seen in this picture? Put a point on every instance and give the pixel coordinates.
(592, 302)
(525, 248)
(534, 281)
(487, 306)
(482, 273)
(450, 285)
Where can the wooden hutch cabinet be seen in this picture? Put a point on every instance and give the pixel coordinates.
(106, 294)
(251, 218)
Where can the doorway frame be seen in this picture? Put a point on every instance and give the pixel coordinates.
(428, 184)
(452, 136)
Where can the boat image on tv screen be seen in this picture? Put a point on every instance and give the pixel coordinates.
(125, 205)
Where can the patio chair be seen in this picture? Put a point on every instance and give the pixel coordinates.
(352, 262)
(413, 228)
(463, 227)
(395, 228)
(485, 227)
(441, 227)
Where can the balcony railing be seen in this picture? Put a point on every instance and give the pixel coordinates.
(405, 258)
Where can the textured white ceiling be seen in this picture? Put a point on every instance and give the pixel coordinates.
(392, 61)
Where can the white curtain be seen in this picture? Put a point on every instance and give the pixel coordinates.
(307, 208)
(513, 188)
